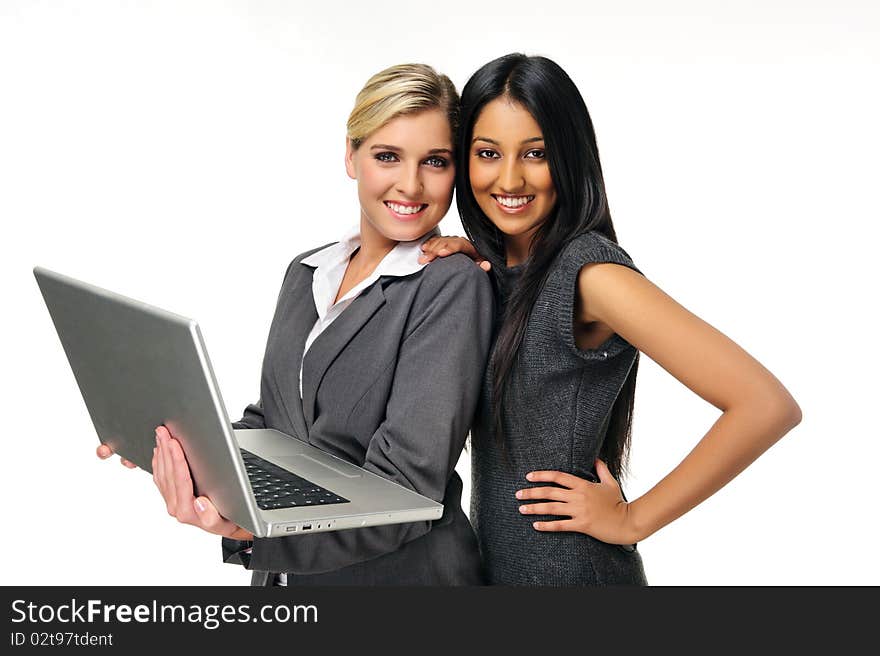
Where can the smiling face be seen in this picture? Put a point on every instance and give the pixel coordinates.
(405, 174)
(509, 174)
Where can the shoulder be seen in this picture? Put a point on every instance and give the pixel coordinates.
(453, 288)
(299, 258)
(450, 297)
(593, 247)
(455, 270)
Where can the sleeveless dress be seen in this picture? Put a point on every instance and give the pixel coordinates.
(555, 418)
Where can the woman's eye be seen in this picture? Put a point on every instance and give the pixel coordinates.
(386, 156)
(486, 153)
(437, 162)
(536, 153)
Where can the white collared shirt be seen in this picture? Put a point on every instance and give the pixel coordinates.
(331, 263)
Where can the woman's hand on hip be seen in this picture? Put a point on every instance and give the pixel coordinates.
(442, 246)
(597, 509)
(172, 477)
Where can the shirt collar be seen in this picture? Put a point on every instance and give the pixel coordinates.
(402, 260)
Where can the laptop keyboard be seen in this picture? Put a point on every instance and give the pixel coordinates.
(276, 488)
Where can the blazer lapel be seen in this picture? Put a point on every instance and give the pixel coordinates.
(302, 312)
(329, 343)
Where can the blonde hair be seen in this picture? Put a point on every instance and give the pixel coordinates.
(397, 91)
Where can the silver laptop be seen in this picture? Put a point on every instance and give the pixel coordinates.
(138, 366)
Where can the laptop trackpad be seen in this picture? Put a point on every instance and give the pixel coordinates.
(296, 463)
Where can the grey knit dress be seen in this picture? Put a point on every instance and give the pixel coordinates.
(555, 419)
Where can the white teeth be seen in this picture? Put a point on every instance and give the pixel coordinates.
(405, 209)
(514, 201)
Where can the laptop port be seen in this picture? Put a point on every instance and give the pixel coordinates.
(291, 528)
(307, 527)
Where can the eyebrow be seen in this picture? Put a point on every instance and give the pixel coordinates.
(492, 141)
(433, 151)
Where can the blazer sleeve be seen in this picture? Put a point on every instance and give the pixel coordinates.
(432, 402)
(252, 418)
(253, 414)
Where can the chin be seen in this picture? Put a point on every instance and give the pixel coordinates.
(513, 228)
(405, 232)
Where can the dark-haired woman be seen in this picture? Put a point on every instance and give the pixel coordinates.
(552, 437)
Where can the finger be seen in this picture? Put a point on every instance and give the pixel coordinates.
(209, 518)
(466, 247)
(159, 477)
(558, 525)
(553, 493)
(433, 245)
(485, 265)
(442, 249)
(127, 463)
(555, 508)
(166, 468)
(183, 487)
(158, 464)
(154, 464)
(424, 258)
(605, 475)
(180, 468)
(104, 451)
(558, 477)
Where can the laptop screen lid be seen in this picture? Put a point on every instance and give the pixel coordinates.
(137, 367)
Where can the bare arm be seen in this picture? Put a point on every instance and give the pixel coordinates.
(756, 409)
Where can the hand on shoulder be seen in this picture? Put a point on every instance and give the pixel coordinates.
(444, 246)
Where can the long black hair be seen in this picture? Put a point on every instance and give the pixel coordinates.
(548, 93)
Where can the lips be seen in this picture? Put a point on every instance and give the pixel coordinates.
(513, 204)
(405, 211)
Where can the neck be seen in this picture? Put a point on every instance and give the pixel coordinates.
(374, 247)
(517, 249)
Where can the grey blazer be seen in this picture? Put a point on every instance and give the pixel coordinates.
(391, 385)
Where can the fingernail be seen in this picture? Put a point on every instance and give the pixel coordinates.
(519, 494)
(522, 509)
(200, 506)
(529, 476)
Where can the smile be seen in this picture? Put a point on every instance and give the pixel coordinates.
(512, 204)
(405, 211)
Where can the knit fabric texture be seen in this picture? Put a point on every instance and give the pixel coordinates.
(555, 418)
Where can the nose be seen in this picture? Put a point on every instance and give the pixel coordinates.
(511, 178)
(410, 182)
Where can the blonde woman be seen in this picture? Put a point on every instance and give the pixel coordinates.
(372, 356)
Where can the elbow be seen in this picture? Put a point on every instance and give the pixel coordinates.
(785, 414)
(792, 415)
(775, 410)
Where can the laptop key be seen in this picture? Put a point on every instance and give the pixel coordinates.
(276, 488)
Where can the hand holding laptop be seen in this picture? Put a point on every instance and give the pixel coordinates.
(104, 452)
(138, 366)
(171, 475)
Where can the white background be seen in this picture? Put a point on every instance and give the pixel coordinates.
(183, 152)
